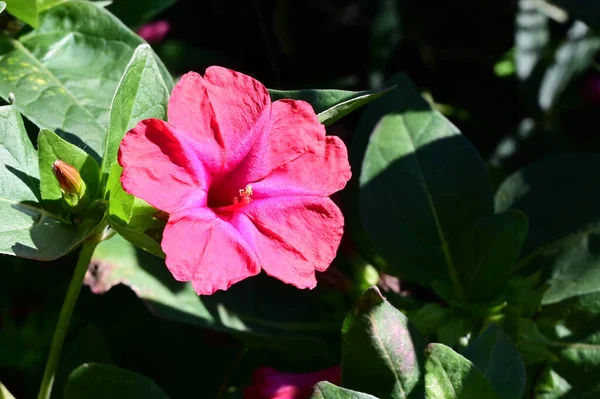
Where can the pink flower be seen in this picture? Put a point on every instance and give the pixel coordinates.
(246, 182)
(156, 31)
(272, 384)
(591, 89)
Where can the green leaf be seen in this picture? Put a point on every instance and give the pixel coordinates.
(260, 308)
(64, 74)
(330, 105)
(43, 5)
(488, 251)
(28, 230)
(451, 376)
(564, 222)
(422, 185)
(5, 394)
(141, 94)
(25, 10)
(134, 14)
(381, 350)
(585, 10)
(51, 147)
(498, 358)
(99, 381)
(326, 390)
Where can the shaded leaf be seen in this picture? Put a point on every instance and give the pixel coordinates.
(134, 14)
(100, 381)
(64, 74)
(421, 185)
(498, 358)
(451, 376)
(562, 207)
(330, 105)
(381, 350)
(262, 309)
(326, 390)
(488, 251)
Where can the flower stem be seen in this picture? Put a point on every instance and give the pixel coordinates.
(85, 256)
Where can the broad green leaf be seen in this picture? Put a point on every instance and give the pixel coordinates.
(498, 358)
(5, 394)
(141, 94)
(451, 376)
(381, 350)
(422, 185)
(28, 230)
(561, 204)
(51, 148)
(572, 59)
(488, 251)
(130, 216)
(330, 105)
(100, 381)
(135, 13)
(585, 10)
(260, 308)
(43, 5)
(64, 74)
(326, 390)
(25, 10)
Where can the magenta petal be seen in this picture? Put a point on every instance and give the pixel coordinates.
(294, 237)
(206, 250)
(160, 168)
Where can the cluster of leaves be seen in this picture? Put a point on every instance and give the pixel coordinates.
(503, 280)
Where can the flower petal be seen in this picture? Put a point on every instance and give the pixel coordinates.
(159, 167)
(224, 111)
(293, 157)
(292, 238)
(203, 248)
(319, 172)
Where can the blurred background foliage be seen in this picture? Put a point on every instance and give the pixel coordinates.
(521, 79)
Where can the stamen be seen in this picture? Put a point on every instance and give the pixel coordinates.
(245, 195)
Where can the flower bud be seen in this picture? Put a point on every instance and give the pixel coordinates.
(71, 184)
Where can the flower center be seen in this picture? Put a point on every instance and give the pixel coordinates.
(245, 195)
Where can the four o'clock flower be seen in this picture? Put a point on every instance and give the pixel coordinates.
(246, 182)
(272, 384)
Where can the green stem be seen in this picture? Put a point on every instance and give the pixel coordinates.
(85, 256)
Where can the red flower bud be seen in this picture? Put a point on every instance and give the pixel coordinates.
(71, 184)
(272, 384)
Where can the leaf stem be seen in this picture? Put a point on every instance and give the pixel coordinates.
(85, 256)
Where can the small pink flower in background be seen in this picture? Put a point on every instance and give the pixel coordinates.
(272, 384)
(246, 182)
(155, 31)
(591, 89)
